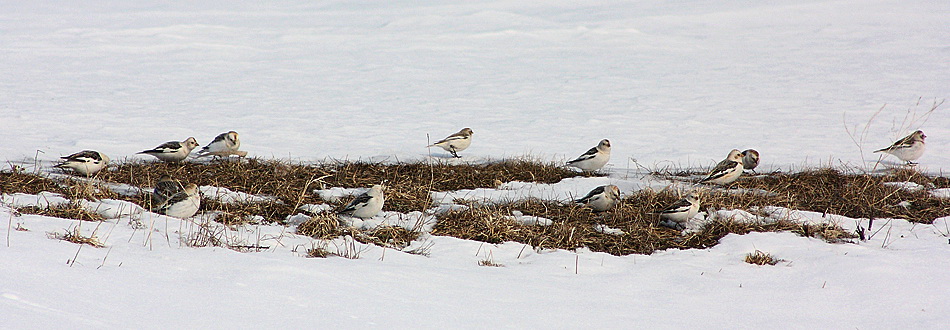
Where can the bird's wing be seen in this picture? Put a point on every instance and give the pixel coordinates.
(724, 167)
(84, 156)
(591, 194)
(587, 155)
(167, 147)
(679, 206)
(358, 202)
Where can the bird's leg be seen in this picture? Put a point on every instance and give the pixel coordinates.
(452, 150)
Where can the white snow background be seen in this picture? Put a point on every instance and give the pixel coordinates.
(669, 83)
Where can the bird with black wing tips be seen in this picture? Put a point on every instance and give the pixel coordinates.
(173, 151)
(909, 148)
(223, 145)
(602, 198)
(678, 214)
(366, 205)
(173, 199)
(86, 162)
(594, 159)
(727, 171)
(456, 142)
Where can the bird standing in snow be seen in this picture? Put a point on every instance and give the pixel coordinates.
(172, 199)
(223, 145)
(602, 198)
(455, 142)
(86, 162)
(366, 205)
(594, 159)
(727, 171)
(750, 159)
(173, 151)
(909, 148)
(677, 214)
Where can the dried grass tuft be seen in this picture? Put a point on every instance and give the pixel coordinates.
(761, 258)
(321, 226)
(74, 236)
(67, 211)
(832, 191)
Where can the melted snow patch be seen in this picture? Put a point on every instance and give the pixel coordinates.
(43, 200)
(415, 221)
(229, 196)
(111, 208)
(911, 186)
(604, 229)
(315, 208)
(335, 194)
(941, 193)
(529, 219)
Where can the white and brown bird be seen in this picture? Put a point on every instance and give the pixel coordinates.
(678, 214)
(750, 159)
(908, 149)
(366, 205)
(173, 199)
(86, 162)
(727, 171)
(173, 151)
(455, 142)
(223, 145)
(594, 159)
(601, 198)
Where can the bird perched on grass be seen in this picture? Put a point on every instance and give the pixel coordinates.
(908, 149)
(601, 198)
(677, 214)
(173, 151)
(223, 145)
(594, 159)
(455, 142)
(750, 159)
(727, 171)
(172, 199)
(86, 162)
(366, 205)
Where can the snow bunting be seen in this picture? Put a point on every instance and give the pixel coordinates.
(909, 148)
(86, 162)
(171, 199)
(594, 159)
(173, 151)
(455, 142)
(223, 145)
(750, 159)
(727, 171)
(602, 198)
(676, 215)
(366, 205)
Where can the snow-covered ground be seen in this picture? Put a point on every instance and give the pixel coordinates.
(669, 83)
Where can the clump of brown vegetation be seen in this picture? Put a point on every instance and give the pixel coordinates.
(66, 211)
(761, 258)
(410, 185)
(292, 185)
(573, 226)
(322, 226)
(27, 183)
(74, 236)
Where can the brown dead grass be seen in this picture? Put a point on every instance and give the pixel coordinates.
(761, 258)
(74, 236)
(573, 226)
(409, 184)
(68, 211)
(291, 184)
